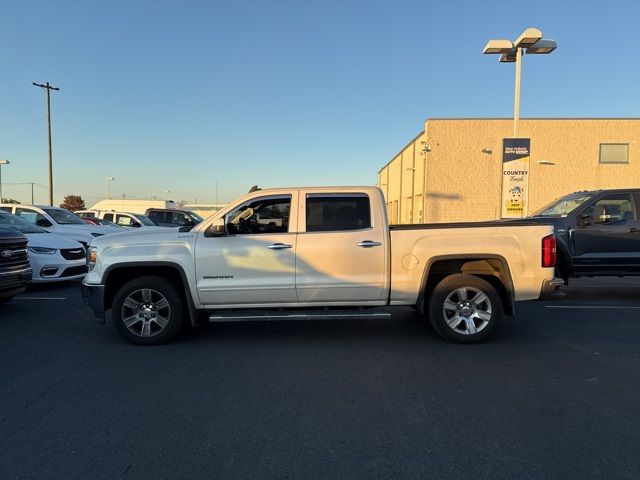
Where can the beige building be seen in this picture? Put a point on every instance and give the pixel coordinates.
(452, 171)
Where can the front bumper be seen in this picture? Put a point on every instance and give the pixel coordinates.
(13, 282)
(550, 288)
(93, 296)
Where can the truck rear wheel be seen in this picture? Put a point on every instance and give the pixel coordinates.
(465, 308)
(147, 311)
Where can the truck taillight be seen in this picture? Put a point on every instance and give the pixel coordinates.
(549, 251)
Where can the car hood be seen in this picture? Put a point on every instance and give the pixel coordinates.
(143, 236)
(51, 240)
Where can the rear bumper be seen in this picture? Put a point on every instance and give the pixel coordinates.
(550, 287)
(93, 296)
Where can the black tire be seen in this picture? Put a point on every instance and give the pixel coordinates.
(139, 324)
(4, 300)
(469, 321)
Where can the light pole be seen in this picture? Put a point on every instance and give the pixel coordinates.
(164, 194)
(109, 179)
(2, 162)
(47, 88)
(531, 42)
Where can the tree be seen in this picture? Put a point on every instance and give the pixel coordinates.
(8, 200)
(181, 204)
(73, 203)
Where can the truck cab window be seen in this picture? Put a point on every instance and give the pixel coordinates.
(259, 216)
(610, 209)
(338, 212)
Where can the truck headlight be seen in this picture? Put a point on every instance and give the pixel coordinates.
(92, 257)
(43, 250)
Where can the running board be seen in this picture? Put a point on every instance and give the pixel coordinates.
(251, 316)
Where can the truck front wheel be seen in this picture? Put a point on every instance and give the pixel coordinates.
(465, 308)
(147, 311)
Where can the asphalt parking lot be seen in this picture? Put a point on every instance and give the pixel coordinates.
(555, 395)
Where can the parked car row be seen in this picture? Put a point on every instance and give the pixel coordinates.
(47, 244)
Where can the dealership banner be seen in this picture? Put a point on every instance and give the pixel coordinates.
(515, 177)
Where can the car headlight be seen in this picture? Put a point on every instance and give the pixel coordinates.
(92, 257)
(43, 250)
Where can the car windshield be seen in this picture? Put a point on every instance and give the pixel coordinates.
(563, 206)
(197, 218)
(64, 217)
(12, 222)
(145, 220)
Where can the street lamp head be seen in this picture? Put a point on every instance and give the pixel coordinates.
(110, 179)
(507, 58)
(4, 162)
(541, 47)
(528, 38)
(497, 46)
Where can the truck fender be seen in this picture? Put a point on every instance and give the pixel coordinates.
(147, 268)
(504, 275)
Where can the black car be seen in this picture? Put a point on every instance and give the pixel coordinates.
(166, 217)
(15, 272)
(598, 232)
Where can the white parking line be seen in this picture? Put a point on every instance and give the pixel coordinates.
(588, 306)
(40, 298)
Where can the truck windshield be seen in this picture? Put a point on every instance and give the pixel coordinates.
(13, 222)
(64, 217)
(145, 220)
(563, 206)
(196, 218)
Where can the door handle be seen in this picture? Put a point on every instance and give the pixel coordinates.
(634, 230)
(369, 244)
(279, 246)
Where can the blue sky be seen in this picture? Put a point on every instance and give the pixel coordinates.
(182, 95)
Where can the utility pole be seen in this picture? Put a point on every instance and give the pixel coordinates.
(47, 88)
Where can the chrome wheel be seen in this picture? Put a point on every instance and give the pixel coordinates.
(145, 312)
(467, 310)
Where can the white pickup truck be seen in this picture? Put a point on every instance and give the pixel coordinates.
(330, 254)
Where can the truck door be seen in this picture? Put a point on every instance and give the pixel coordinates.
(609, 239)
(342, 251)
(254, 263)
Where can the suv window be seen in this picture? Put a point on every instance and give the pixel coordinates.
(338, 212)
(261, 215)
(32, 216)
(157, 216)
(612, 208)
(108, 216)
(6, 209)
(124, 220)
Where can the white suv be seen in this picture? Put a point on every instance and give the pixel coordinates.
(58, 220)
(127, 220)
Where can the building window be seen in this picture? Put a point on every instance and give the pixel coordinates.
(614, 153)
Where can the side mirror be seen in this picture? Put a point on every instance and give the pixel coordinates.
(216, 229)
(584, 219)
(43, 222)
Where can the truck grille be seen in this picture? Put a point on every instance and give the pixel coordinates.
(73, 253)
(13, 255)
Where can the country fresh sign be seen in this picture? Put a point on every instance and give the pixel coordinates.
(515, 177)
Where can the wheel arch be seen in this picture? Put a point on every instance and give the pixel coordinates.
(117, 275)
(490, 267)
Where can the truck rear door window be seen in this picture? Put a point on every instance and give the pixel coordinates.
(339, 212)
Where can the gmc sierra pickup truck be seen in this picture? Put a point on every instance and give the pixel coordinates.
(328, 252)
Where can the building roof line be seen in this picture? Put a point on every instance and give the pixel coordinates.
(402, 150)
